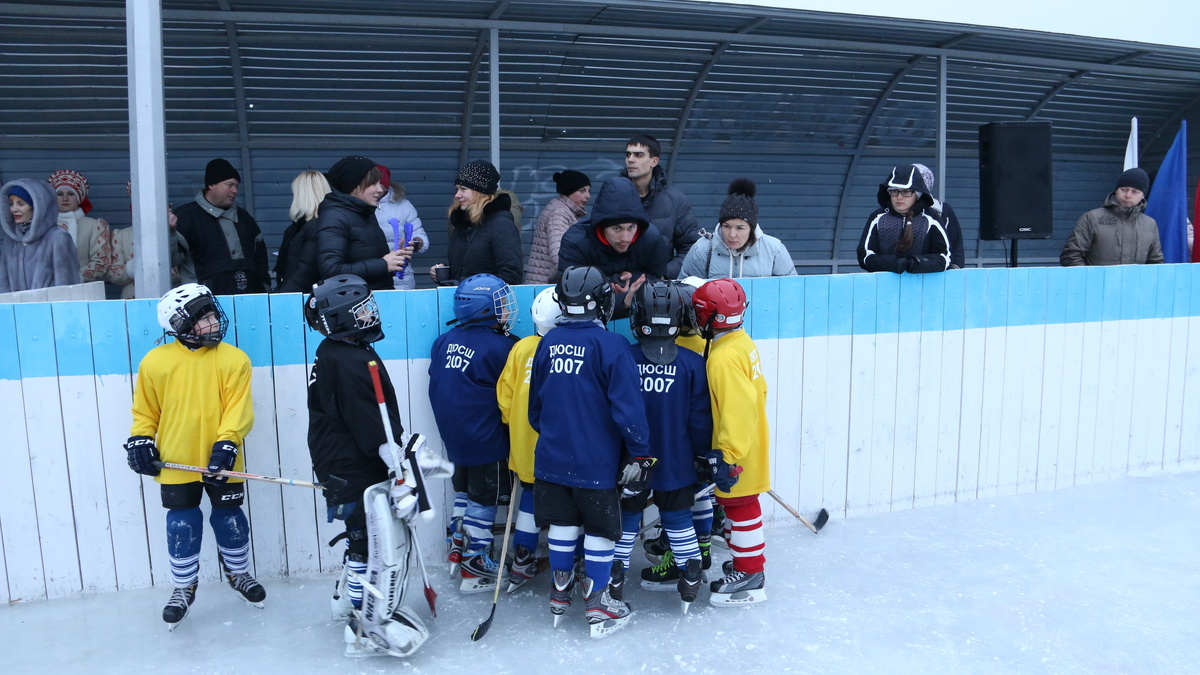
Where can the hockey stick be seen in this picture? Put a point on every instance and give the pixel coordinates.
(700, 494)
(430, 594)
(333, 483)
(815, 526)
(482, 628)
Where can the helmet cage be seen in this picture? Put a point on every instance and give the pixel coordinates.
(182, 308)
(344, 308)
(485, 298)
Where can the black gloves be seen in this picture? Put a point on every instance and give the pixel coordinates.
(635, 475)
(142, 454)
(722, 474)
(224, 454)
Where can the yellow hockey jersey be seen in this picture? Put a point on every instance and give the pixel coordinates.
(512, 392)
(188, 400)
(738, 391)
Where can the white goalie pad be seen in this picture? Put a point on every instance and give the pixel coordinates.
(389, 548)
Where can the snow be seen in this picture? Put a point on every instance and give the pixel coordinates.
(1095, 579)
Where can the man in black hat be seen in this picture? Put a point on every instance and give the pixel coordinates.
(225, 241)
(1118, 233)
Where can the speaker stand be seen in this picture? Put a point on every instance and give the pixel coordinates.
(1012, 260)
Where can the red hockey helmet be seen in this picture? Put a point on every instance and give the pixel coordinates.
(720, 304)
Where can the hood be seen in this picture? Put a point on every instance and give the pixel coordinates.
(1110, 203)
(905, 177)
(45, 210)
(618, 201)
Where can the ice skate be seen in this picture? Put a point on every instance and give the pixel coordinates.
(738, 588)
(178, 606)
(479, 573)
(616, 585)
(689, 583)
(661, 577)
(458, 544)
(250, 590)
(605, 614)
(400, 636)
(524, 568)
(655, 546)
(560, 594)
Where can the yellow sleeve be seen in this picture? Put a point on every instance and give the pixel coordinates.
(238, 415)
(147, 406)
(735, 410)
(506, 386)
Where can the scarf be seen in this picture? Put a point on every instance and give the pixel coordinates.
(228, 221)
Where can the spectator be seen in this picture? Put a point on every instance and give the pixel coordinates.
(669, 209)
(1118, 233)
(484, 238)
(121, 273)
(349, 240)
(574, 191)
(92, 236)
(740, 249)
(953, 229)
(904, 235)
(225, 242)
(619, 241)
(296, 267)
(35, 251)
(394, 205)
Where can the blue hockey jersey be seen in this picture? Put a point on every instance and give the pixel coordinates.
(584, 402)
(466, 363)
(679, 413)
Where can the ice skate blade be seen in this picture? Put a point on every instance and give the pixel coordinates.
(557, 619)
(685, 605)
(172, 626)
(454, 567)
(603, 629)
(517, 585)
(740, 598)
(473, 585)
(660, 586)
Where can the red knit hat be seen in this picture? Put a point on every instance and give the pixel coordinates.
(75, 182)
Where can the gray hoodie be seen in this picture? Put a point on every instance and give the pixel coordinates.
(42, 255)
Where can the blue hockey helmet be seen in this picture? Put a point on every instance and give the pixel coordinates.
(484, 298)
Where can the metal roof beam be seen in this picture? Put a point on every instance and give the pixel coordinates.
(1165, 127)
(239, 106)
(481, 42)
(1072, 80)
(697, 84)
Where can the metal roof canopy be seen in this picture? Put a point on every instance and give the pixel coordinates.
(581, 76)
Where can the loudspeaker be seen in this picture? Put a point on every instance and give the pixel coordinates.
(1015, 196)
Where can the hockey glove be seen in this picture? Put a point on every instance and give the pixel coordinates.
(722, 474)
(224, 454)
(635, 475)
(142, 455)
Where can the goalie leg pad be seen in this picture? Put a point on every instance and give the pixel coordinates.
(402, 635)
(389, 544)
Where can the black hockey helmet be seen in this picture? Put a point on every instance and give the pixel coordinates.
(343, 307)
(584, 293)
(655, 317)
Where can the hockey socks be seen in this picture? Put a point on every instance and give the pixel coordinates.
(702, 515)
(477, 525)
(630, 523)
(598, 557)
(746, 538)
(185, 531)
(527, 531)
(233, 537)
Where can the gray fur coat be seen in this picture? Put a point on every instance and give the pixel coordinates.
(41, 256)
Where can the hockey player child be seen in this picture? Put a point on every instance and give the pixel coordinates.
(192, 406)
(585, 404)
(740, 440)
(347, 439)
(465, 366)
(675, 391)
(512, 391)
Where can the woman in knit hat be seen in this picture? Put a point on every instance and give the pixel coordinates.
(349, 240)
(34, 251)
(574, 191)
(1118, 233)
(740, 248)
(904, 234)
(92, 236)
(484, 238)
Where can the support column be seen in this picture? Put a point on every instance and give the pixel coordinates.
(943, 64)
(147, 146)
(494, 95)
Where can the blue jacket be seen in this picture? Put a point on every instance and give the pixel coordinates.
(466, 363)
(585, 405)
(680, 416)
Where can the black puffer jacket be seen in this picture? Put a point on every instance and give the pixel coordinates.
(649, 254)
(491, 247)
(296, 267)
(877, 248)
(349, 241)
(671, 212)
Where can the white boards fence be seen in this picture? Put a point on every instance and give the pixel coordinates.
(886, 393)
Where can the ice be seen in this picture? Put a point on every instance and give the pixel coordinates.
(1096, 579)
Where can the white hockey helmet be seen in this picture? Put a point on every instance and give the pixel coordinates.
(183, 306)
(545, 311)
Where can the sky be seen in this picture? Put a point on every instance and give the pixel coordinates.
(1101, 578)
(1163, 22)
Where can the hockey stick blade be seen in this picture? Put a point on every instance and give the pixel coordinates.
(483, 628)
(821, 519)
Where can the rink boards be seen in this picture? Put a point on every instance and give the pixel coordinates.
(886, 392)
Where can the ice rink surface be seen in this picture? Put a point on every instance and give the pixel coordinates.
(1096, 579)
